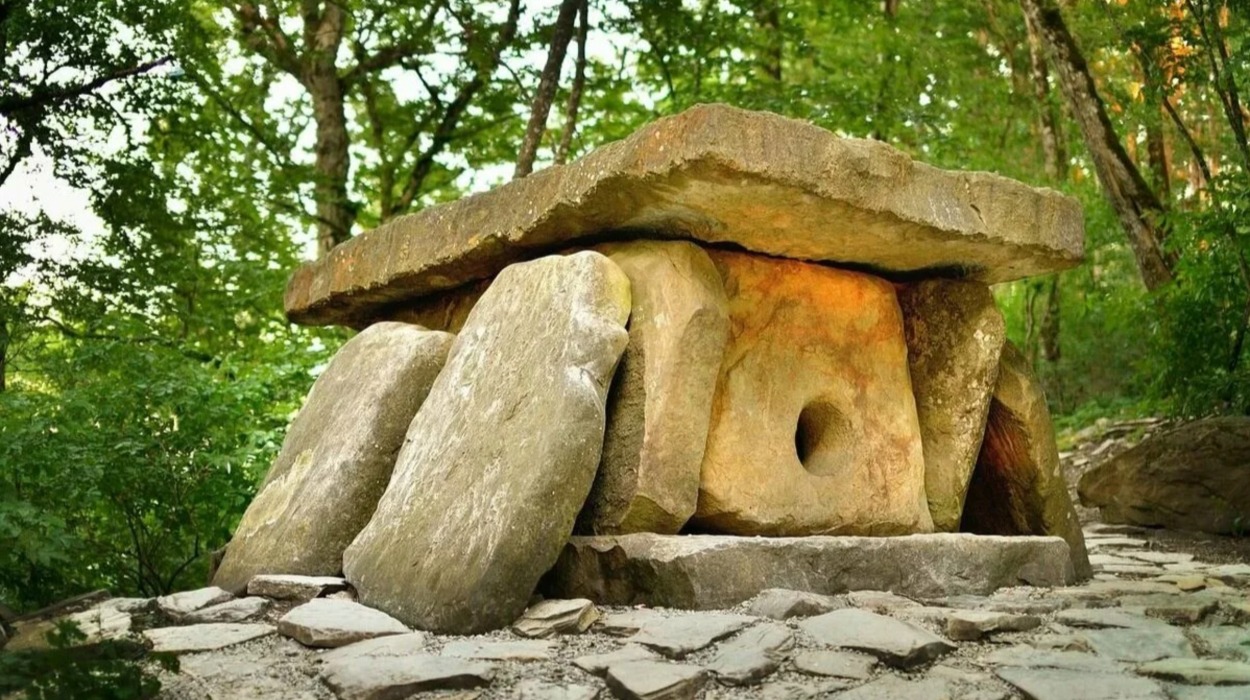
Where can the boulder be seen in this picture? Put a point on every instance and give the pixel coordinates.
(1017, 487)
(661, 399)
(500, 458)
(717, 571)
(713, 174)
(955, 336)
(814, 427)
(337, 457)
(1194, 477)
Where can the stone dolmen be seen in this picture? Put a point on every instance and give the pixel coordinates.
(731, 352)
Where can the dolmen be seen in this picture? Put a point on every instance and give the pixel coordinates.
(731, 352)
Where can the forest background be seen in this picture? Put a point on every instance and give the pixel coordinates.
(165, 164)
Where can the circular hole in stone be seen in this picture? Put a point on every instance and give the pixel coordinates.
(821, 433)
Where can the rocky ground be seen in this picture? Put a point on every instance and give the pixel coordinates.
(1166, 616)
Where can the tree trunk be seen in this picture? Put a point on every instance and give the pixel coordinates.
(1135, 204)
(768, 20)
(1054, 154)
(319, 74)
(1157, 155)
(1050, 322)
(4, 351)
(561, 34)
(579, 85)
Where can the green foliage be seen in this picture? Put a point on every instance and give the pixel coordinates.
(68, 670)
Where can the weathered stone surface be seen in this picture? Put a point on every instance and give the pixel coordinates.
(783, 604)
(801, 690)
(713, 571)
(97, 624)
(678, 636)
(813, 427)
(655, 680)
(598, 664)
(236, 610)
(337, 457)
(178, 604)
(322, 622)
(623, 624)
(1059, 684)
(1202, 671)
(524, 650)
(407, 644)
(128, 605)
(391, 677)
(1173, 608)
(550, 617)
(752, 655)
(839, 664)
(955, 336)
(895, 688)
(486, 490)
(970, 625)
(291, 587)
(1229, 641)
(1138, 644)
(1018, 487)
(661, 399)
(895, 642)
(193, 638)
(1195, 477)
(719, 175)
(533, 689)
(1031, 657)
(880, 601)
(1103, 617)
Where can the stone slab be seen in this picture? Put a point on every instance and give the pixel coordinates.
(386, 677)
(292, 587)
(895, 642)
(323, 622)
(206, 637)
(718, 175)
(716, 571)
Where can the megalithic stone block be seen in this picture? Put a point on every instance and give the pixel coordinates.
(955, 336)
(814, 427)
(337, 457)
(661, 399)
(1018, 487)
(500, 458)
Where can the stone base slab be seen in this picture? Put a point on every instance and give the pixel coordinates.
(718, 571)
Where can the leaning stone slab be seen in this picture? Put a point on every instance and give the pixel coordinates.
(337, 457)
(323, 622)
(713, 174)
(292, 587)
(720, 571)
(656, 680)
(1018, 487)
(386, 677)
(813, 428)
(194, 638)
(501, 456)
(955, 335)
(661, 400)
(897, 643)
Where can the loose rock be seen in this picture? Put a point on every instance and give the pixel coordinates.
(840, 664)
(334, 623)
(897, 643)
(675, 637)
(1058, 684)
(752, 655)
(383, 678)
(291, 587)
(655, 680)
(176, 605)
(970, 625)
(236, 610)
(783, 604)
(598, 664)
(551, 617)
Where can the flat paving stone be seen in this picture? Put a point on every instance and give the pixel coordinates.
(838, 664)
(534, 689)
(1113, 542)
(752, 655)
(551, 617)
(409, 644)
(1062, 684)
(971, 625)
(1231, 573)
(1104, 617)
(236, 610)
(1161, 557)
(1175, 608)
(1024, 656)
(1205, 692)
(1225, 640)
(206, 637)
(1199, 671)
(623, 624)
(880, 601)
(1138, 645)
(895, 688)
(386, 677)
(675, 637)
(598, 664)
(801, 690)
(292, 587)
(895, 642)
(783, 604)
(524, 650)
(323, 622)
(178, 604)
(655, 680)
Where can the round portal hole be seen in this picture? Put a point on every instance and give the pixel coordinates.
(822, 431)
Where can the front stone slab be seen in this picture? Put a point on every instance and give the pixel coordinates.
(500, 458)
(814, 427)
(717, 175)
(715, 571)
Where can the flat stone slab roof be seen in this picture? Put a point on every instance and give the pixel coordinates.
(720, 176)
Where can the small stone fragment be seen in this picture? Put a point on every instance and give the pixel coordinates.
(193, 638)
(527, 650)
(839, 664)
(236, 610)
(1191, 582)
(176, 605)
(387, 677)
(897, 643)
(1199, 671)
(534, 689)
(598, 664)
(752, 655)
(408, 644)
(291, 587)
(1059, 684)
(322, 622)
(783, 604)
(678, 636)
(970, 625)
(655, 680)
(551, 617)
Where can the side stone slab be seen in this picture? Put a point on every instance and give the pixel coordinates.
(717, 175)
(500, 458)
(337, 457)
(718, 571)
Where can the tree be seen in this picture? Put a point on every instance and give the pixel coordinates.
(561, 35)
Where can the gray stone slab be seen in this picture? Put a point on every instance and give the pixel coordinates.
(598, 664)
(1059, 684)
(675, 637)
(206, 637)
(1104, 617)
(838, 664)
(783, 604)
(293, 587)
(715, 572)
(1139, 644)
(524, 650)
(971, 625)
(623, 624)
(895, 688)
(1031, 657)
(1225, 640)
(752, 655)
(655, 680)
(534, 689)
(895, 642)
(394, 677)
(323, 622)
(236, 610)
(178, 604)
(1198, 671)
(551, 617)
(409, 644)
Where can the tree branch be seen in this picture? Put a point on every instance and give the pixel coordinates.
(45, 98)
